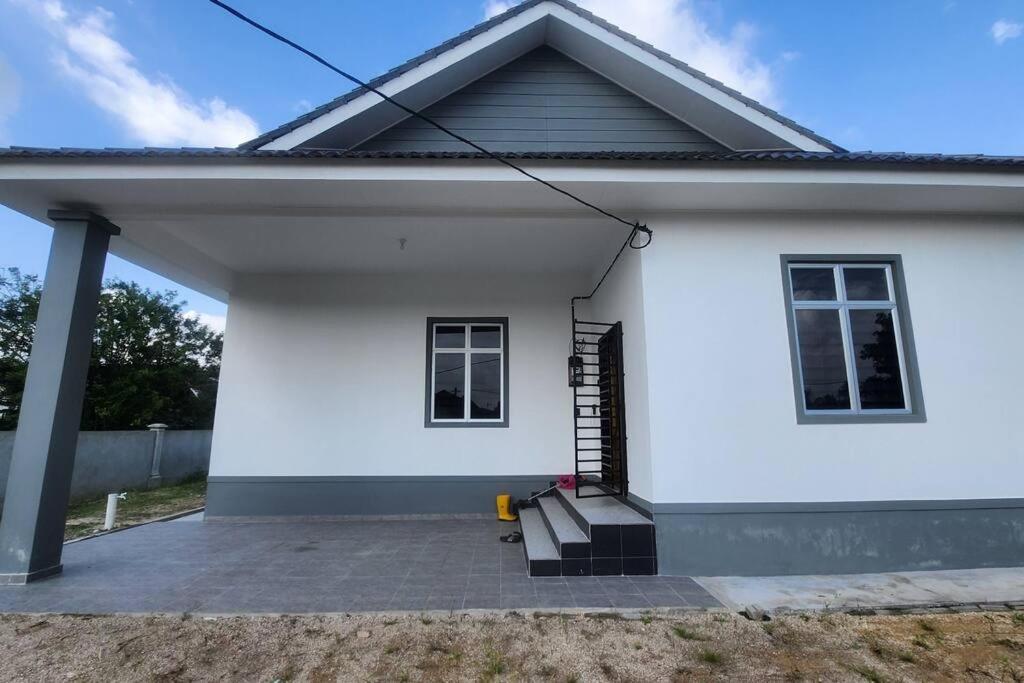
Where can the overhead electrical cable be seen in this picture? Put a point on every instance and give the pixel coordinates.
(635, 226)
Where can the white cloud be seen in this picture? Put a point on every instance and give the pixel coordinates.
(10, 95)
(1004, 30)
(495, 7)
(152, 109)
(675, 27)
(214, 322)
(303, 106)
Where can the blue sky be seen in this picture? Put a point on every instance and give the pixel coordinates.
(916, 75)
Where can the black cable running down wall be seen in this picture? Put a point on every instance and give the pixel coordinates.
(635, 226)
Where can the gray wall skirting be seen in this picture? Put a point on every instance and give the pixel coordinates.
(752, 539)
(371, 495)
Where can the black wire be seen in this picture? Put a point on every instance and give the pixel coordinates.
(631, 243)
(636, 226)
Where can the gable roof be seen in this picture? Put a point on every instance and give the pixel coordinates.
(540, 102)
(724, 114)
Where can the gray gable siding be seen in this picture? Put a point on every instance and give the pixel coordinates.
(544, 102)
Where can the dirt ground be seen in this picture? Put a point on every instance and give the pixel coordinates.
(86, 518)
(512, 646)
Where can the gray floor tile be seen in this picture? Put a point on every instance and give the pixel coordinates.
(305, 567)
(629, 601)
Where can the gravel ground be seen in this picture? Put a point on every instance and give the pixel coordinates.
(512, 646)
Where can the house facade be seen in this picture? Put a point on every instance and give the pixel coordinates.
(813, 367)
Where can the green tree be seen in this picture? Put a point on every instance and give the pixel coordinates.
(150, 362)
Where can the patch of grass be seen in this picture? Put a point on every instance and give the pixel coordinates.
(86, 517)
(547, 670)
(920, 642)
(288, 673)
(867, 673)
(769, 628)
(710, 657)
(686, 634)
(907, 657)
(1018, 618)
(877, 649)
(646, 619)
(1009, 644)
(927, 626)
(426, 621)
(494, 665)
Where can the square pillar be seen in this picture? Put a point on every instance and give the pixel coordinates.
(39, 483)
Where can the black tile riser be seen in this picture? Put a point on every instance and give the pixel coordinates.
(607, 566)
(637, 540)
(605, 541)
(545, 568)
(614, 550)
(575, 551)
(639, 566)
(576, 567)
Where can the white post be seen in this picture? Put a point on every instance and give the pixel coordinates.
(112, 499)
(158, 447)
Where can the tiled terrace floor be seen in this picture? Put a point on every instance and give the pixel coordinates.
(304, 567)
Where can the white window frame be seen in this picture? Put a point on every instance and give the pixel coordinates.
(844, 306)
(467, 350)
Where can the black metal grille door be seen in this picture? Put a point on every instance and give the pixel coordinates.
(599, 408)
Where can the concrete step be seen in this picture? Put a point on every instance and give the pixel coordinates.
(572, 544)
(604, 510)
(622, 541)
(541, 555)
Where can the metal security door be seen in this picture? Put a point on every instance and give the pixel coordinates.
(599, 409)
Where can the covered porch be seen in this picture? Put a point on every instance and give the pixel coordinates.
(326, 393)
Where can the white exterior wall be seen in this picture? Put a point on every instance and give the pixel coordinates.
(324, 376)
(723, 426)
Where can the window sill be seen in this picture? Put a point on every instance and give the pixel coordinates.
(861, 418)
(466, 425)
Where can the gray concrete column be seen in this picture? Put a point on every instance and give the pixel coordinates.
(39, 483)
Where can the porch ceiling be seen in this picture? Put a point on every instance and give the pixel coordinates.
(202, 224)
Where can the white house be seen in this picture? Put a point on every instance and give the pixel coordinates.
(821, 348)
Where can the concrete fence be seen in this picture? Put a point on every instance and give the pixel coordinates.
(106, 462)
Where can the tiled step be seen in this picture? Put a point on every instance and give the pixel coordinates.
(621, 539)
(572, 544)
(541, 555)
(605, 510)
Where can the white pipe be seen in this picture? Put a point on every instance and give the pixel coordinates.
(112, 499)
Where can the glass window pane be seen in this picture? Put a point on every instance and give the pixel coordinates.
(822, 359)
(485, 402)
(486, 336)
(877, 358)
(450, 337)
(449, 386)
(813, 284)
(866, 284)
